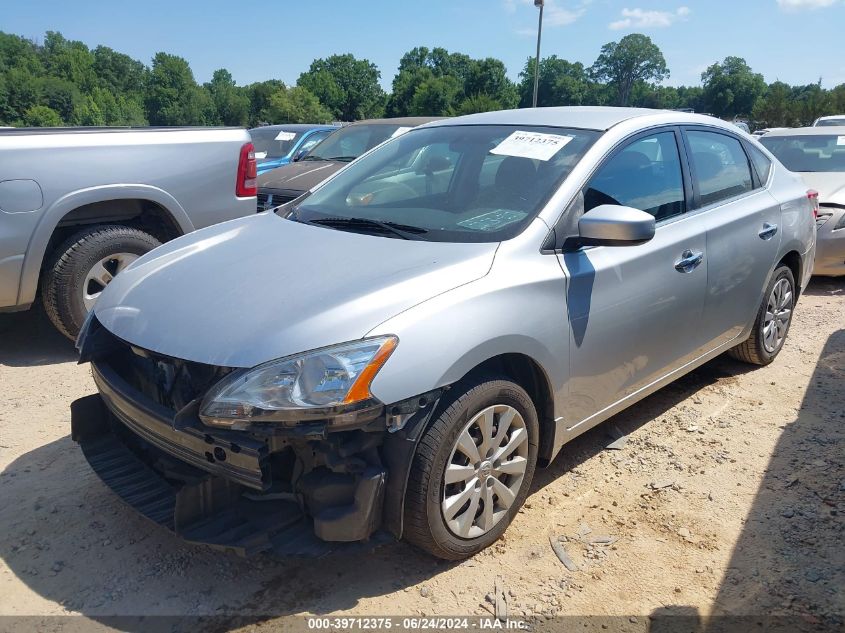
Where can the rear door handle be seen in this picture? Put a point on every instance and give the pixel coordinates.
(689, 261)
(768, 231)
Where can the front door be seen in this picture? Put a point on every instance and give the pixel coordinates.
(634, 311)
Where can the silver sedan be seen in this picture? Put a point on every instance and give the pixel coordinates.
(402, 346)
(818, 155)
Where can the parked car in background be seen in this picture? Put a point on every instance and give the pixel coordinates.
(742, 125)
(79, 205)
(818, 155)
(400, 347)
(766, 130)
(282, 185)
(277, 145)
(830, 121)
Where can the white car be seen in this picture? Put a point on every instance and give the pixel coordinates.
(827, 121)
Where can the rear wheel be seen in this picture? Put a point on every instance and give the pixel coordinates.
(472, 470)
(82, 266)
(772, 322)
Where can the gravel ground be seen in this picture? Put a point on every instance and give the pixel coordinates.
(725, 497)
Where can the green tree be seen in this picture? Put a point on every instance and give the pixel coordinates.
(230, 102)
(259, 94)
(41, 116)
(812, 101)
(478, 103)
(347, 86)
(173, 97)
(561, 83)
(296, 105)
(22, 91)
(731, 88)
(421, 67)
(61, 95)
(776, 108)
(634, 58)
(119, 73)
(436, 97)
(69, 60)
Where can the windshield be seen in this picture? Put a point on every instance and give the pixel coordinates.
(272, 142)
(810, 153)
(480, 183)
(350, 142)
(830, 122)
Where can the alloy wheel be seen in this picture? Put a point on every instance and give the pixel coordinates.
(778, 315)
(485, 471)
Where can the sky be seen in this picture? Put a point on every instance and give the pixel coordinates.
(796, 41)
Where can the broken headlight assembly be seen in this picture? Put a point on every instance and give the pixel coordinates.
(317, 384)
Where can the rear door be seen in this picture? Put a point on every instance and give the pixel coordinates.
(635, 311)
(743, 229)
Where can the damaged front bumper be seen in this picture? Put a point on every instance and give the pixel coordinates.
(295, 491)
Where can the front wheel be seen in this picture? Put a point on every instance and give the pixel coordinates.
(772, 322)
(472, 469)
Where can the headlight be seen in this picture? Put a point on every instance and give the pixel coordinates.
(324, 380)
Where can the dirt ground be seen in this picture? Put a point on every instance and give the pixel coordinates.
(726, 498)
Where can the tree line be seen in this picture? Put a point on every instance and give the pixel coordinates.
(63, 82)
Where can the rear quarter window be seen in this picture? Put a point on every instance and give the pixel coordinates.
(761, 162)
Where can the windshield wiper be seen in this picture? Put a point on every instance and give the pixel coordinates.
(405, 231)
(343, 159)
(304, 158)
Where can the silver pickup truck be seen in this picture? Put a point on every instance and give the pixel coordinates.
(77, 205)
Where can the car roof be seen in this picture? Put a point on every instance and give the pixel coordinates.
(831, 116)
(294, 127)
(829, 130)
(580, 117)
(406, 121)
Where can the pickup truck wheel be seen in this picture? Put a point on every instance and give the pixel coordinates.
(771, 324)
(82, 266)
(472, 469)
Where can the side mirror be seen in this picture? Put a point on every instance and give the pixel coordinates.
(299, 155)
(614, 225)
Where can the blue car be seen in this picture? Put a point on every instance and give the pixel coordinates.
(277, 145)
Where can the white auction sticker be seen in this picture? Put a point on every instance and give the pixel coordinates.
(840, 140)
(535, 145)
(400, 131)
(285, 136)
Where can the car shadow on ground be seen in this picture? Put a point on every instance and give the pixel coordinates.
(28, 339)
(787, 569)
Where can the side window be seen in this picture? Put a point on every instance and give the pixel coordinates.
(720, 166)
(761, 162)
(645, 175)
(312, 140)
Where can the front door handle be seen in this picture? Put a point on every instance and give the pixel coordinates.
(768, 231)
(689, 261)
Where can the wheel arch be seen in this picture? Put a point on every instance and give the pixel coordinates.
(142, 206)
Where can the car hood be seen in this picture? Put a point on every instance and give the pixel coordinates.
(300, 176)
(830, 185)
(251, 290)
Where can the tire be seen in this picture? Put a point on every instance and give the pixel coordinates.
(426, 525)
(756, 350)
(66, 272)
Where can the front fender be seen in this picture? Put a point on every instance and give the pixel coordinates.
(37, 247)
(517, 311)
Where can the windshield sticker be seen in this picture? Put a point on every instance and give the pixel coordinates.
(534, 145)
(492, 221)
(400, 131)
(285, 136)
(840, 140)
